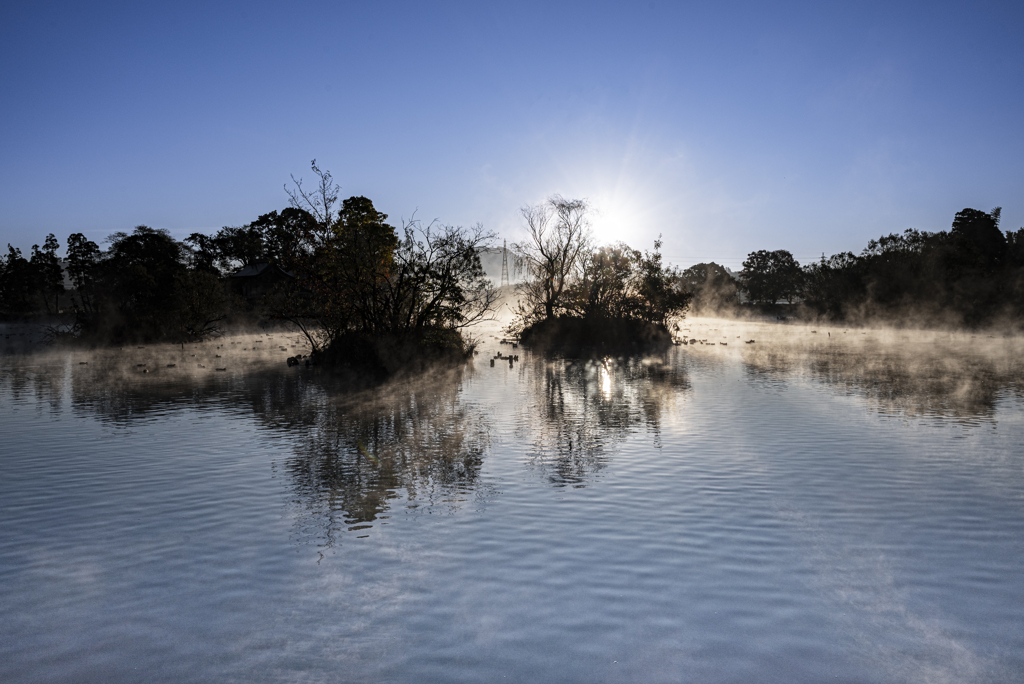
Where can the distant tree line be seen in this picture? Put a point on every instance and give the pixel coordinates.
(144, 286)
(969, 275)
(356, 286)
(360, 288)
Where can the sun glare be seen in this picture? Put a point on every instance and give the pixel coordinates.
(630, 194)
(621, 217)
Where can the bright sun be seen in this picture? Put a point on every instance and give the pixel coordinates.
(621, 216)
(632, 188)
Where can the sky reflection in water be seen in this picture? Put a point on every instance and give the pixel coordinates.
(798, 509)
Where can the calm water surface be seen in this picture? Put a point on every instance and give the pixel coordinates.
(838, 509)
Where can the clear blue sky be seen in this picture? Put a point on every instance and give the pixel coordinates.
(728, 127)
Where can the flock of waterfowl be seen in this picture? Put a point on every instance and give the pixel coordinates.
(686, 340)
(215, 354)
(727, 329)
(511, 358)
(705, 341)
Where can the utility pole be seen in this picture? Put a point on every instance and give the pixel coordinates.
(504, 263)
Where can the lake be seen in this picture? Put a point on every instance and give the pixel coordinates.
(838, 505)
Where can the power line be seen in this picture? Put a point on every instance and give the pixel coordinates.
(740, 259)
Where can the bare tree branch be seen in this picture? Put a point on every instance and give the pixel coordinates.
(559, 237)
(320, 201)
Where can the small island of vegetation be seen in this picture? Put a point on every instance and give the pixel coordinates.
(580, 299)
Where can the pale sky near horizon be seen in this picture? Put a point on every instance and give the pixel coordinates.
(725, 127)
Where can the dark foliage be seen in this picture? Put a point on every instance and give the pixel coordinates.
(141, 288)
(714, 289)
(138, 277)
(369, 295)
(271, 238)
(47, 274)
(361, 291)
(835, 286)
(18, 281)
(979, 234)
(83, 257)
(768, 277)
(580, 337)
(971, 275)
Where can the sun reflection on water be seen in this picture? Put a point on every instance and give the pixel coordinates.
(606, 380)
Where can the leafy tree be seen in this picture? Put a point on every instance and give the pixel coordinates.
(343, 272)
(358, 279)
(768, 277)
(895, 264)
(280, 234)
(835, 285)
(49, 276)
(17, 278)
(272, 238)
(714, 289)
(1015, 247)
(979, 232)
(203, 253)
(237, 247)
(660, 290)
(966, 275)
(83, 258)
(361, 260)
(603, 289)
(139, 276)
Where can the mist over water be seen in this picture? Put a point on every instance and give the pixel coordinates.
(822, 504)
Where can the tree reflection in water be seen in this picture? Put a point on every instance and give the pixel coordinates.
(949, 380)
(355, 450)
(583, 408)
(356, 456)
(415, 441)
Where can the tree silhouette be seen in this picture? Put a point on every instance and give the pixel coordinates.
(558, 241)
(49, 277)
(768, 277)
